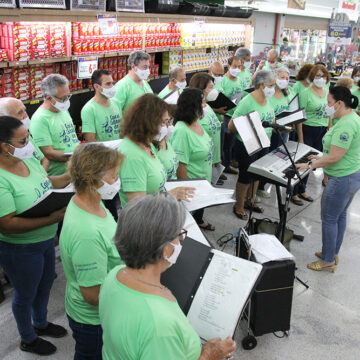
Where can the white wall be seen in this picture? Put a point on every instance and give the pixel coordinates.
(264, 31)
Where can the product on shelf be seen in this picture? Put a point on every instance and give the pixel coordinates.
(170, 59)
(198, 59)
(164, 35)
(224, 55)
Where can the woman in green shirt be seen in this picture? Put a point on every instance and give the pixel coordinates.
(302, 79)
(192, 144)
(87, 249)
(341, 162)
(140, 318)
(27, 252)
(142, 172)
(355, 75)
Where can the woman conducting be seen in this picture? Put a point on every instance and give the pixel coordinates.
(140, 317)
(341, 162)
(27, 252)
(259, 101)
(192, 144)
(87, 249)
(142, 172)
(311, 132)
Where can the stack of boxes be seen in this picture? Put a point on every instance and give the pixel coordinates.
(154, 68)
(170, 59)
(115, 65)
(198, 59)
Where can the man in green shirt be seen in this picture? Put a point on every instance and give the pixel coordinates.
(272, 61)
(134, 84)
(177, 80)
(52, 126)
(101, 115)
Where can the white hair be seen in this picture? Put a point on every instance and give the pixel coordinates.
(4, 105)
(50, 84)
(263, 77)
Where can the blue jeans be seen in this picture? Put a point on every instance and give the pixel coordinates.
(336, 198)
(31, 270)
(88, 340)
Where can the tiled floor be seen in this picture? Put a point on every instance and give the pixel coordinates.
(325, 318)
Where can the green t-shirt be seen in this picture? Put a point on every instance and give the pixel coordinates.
(346, 135)
(356, 93)
(211, 124)
(219, 88)
(193, 150)
(102, 121)
(249, 104)
(57, 130)
(18, 193)
(354, 87)
(268, 67)
(139, 326)
(127, 91)
(37, 154)
(282, 104)
(245, 78)
(166, 91)
(140, 172)
(298, 87)
(169, 160)
(314, 107)
(88, 253)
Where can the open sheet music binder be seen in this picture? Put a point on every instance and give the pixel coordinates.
(294, 115)
(172, 97)
(207, 283)
(252, 133)
(222, 101)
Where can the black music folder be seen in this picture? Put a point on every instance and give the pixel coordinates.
(222, 101)
(207, 283)
(54, 200)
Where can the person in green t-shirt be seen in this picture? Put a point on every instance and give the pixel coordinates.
(134, 84)
(177, 80)
(355, 75)
(258, 101)
(271, 63)
(311, 132)
(27, 252)
(140, 317)
(341, 162)
(101, 115)
(86, 243)
(302, 79)
(51, 124)
(348, 83)
(142, 172)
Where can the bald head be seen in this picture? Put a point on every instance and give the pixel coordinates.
(216, 69)
(272, 56)
(12, 107)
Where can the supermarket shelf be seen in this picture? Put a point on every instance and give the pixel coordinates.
(197, 70)
(38, 101)
(37, 15)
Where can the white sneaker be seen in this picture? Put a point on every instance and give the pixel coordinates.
(263, 194)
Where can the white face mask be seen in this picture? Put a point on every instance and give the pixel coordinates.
(217, 79)
(162, 133)
(234, 72)
(272, 65)
(26, 122)
(25, 152)
(173, 257)
(142, 74)
(62, 106)
(247, 64)
(356, 79)
(170, 131)
(181, 85)
(308, 81)
(330, 110)
(212, 95)
(109, 92)
(205, 111)
(108, 191)
(269, 92)
(282, 84)
(319, 82)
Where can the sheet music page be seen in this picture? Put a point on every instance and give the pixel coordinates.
(193, 230)
(264, 139)
(294, 104)
(216, 173)
(205, 194)
(222, 295)
(247, 134)
(113, 144)
(288, 120)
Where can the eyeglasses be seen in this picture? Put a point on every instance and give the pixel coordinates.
(22, 141)
(63, 99)
(320, 77)
(182, 235)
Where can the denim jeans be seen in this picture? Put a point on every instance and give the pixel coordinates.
(88, 340)
(31, 270)
(336, 199)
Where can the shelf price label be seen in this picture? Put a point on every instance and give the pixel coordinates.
(86, 66)
(108, 24)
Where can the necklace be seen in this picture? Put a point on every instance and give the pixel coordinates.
(144, 282)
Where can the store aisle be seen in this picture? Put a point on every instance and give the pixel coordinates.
(325, 318)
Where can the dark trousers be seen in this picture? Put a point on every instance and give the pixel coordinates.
(198, 216)
(30, 269)
(88, 340)
(313, 136)
(227, 143)
(113, 205)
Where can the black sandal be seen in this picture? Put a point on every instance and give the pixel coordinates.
(209, 226)
(241, 216)
(254, 208)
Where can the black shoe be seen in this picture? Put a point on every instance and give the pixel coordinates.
(230, 170)
(220, 182)
(38, 346)
(52, 330)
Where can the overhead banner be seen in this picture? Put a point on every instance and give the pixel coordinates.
(296, 4)
(339, 34)
(348, 5)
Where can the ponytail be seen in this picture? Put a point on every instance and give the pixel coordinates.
(354, 102)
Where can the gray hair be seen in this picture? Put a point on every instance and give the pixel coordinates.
(136, 56)
(50, 84)
(273, 52)
(145, 226)
(4, 105)
(175, 71)
(281, 69)
(242, 53)
(263, 77)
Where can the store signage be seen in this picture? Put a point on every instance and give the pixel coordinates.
(108, 24)
(296, 4)
(133, 5)
(339, 34)
(86, 66)
(348, 5)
